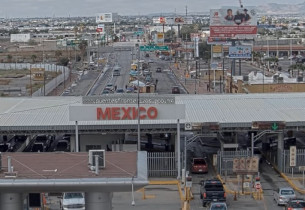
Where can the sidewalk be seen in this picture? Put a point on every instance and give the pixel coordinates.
(189, 84)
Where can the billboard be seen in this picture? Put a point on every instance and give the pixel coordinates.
(100, 28)
(106, 17)
(240, 52)
(233, 22)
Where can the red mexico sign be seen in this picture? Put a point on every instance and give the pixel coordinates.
(126, 113)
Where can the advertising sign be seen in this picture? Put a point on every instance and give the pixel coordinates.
(179, 20)
(217, 49)
(117, 112)
(293, 156)
(162, 20)
(38, 74)
(100, 28)
(104, 18)
(160, 39)
(218, 40)
(233, 22)
(240, 52)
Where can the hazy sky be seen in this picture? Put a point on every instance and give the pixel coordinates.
(59, 8)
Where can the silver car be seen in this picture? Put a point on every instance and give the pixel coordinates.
(283, 195)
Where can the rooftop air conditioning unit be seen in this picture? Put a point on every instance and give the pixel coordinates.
(188, 126)
(101, 154)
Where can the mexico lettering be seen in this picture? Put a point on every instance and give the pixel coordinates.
(126, 113)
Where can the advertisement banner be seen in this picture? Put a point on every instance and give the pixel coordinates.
(179, 20)
(100, 28)
(240, 52)
(160, 39)
(233, 22)
(217, 49)
(104, 18)
(162, 20)
(218, 41)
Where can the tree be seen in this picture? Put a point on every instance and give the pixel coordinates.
(204, 51)
(9, 58)
(83, 47)
(186, 31)
(169, 35)
(58, 54)
(33, 57)
(64, 61)
(297, 66)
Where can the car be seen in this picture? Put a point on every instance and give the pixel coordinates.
(159, 70)
(218, 206)
(146, 72)
(199, 165)
(295, 204)
(300, 60)
(150, 61)
(175, 90)
(162, 57)
(283, 195)
(109, 87)
(38, 147)
(73, 201)
(105, 92)
(120, 90)
(147, 55)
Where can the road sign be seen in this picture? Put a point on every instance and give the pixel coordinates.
(274, 126)
(266, 125)
(138, 33)
(258, 186)
(245, 165)
(293, 156)
(301, 168)
(153, 47)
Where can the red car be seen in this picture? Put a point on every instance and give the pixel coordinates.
(199, 165)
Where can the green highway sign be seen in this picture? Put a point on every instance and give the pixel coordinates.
(138, 33)
(153, 47)
(274, 126)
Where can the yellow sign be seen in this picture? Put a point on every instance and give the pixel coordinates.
(217, 49)
(134, 66)
(38, 73)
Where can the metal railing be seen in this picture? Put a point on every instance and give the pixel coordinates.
(161, 164)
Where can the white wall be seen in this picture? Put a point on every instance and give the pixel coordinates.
(20, 37)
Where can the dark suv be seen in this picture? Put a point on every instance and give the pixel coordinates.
(295, 204)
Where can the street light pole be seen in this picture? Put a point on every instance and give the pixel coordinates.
(138, 76)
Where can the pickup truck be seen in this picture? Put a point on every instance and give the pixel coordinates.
(211, 190)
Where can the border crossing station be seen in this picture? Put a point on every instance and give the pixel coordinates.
(131, 129)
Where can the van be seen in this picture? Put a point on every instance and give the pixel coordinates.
(73, 201)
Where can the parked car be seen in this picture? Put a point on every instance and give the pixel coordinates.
(73, 201)
(218, 206)
(211, 190)
(109, 87)
(105, 92)
(175, 90)
(283, 195)
(199, 165)
(150, 61)
(295, 204)
(120, 90)
(159, 70)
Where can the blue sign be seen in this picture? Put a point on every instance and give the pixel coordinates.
(240, 52)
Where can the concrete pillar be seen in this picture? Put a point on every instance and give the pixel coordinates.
(11, 201)
(280, 151)
(72, 143)
(98, 200)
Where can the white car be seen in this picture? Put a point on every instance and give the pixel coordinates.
(73, 201)
(283, 195)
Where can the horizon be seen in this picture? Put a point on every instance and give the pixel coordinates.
(50, 9)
